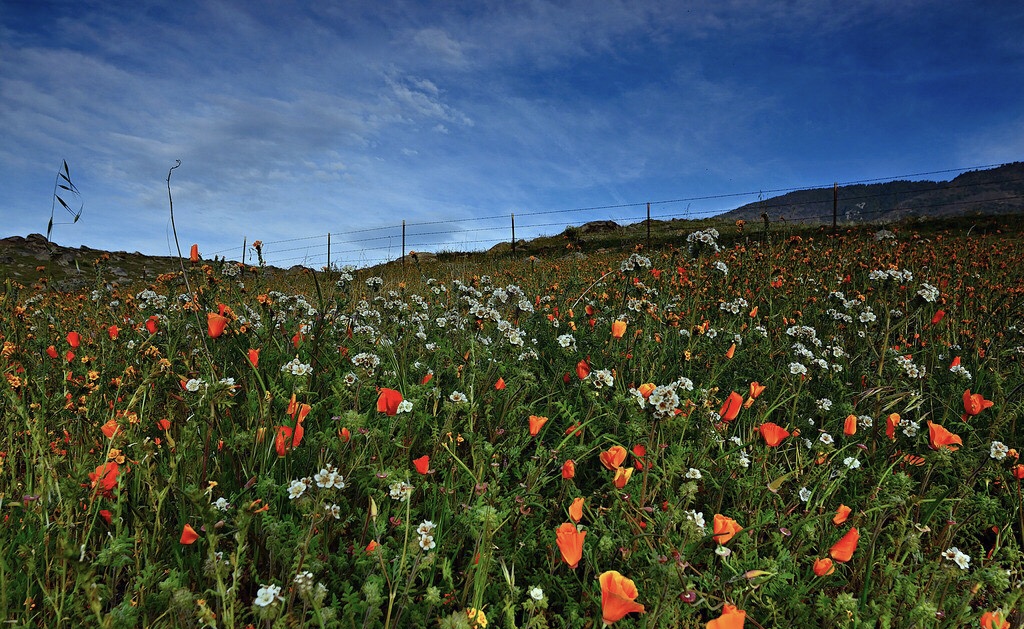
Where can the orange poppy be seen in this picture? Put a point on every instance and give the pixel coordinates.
(1018, 471)
(427, 378)
(193, 254)
(372, 546)
(618, 597)
(500, 384)
(618, 329)
(110, 429)
(994, 620)
(576, 509)
(974, 404)
(112, 332)
(74, 339)
(570, 543)
(569, 469)
(254, 357)
(772, 433)
(647, 389)
(163, 424)
(891, 422)
(613, 457)
(422, 464)
(582, 369)
(753, 313)
(345, 435)
(283, 440)
(639, 452)
(151, 324)
(842, 514)
(823, 567)
(842, 550)
(51, 351)
(388, 401)
(725, 528)
(104, 477)
(215, 324)
(955, 363)
(731, 618)
(622, 476)
(939, 437)
(188, 535)
(536, 423)
(107, 516)
(731, 352)
(939, 314)
(850, 425)
(731, 408)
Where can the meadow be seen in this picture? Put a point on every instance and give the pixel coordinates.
(736, 429)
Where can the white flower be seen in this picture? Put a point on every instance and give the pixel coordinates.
(824, 404)
(296, 489)
(797, 369)
(851, 462)
(721, 266)
(998, 450)
(427, 542)
(193, 385)
(805, 494)
(404, 406)
(333, 510)
(221, 503)
(826, 438)
(426, 527)
(266, 595)
(723, 551)
(400, 491)
(693, 473)
(536, 593)
(958, 557)
(458, 397)
(697, 517)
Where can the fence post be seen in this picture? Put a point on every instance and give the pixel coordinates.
(328, 251)
(245, 241)
(513, 235)
(403, 243)
(835, 204)
(648, 227)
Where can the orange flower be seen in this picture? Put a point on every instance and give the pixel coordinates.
(613, 457)
(647, 389)
(576, 509)
(74, 339)
(850, 425)
(254, 357)
(939, 437)
(388, 401)
(891, 422)
(107, 516)
(823, 567)
(842, 513)
(151, 324)
(618, 597)
(955, 363)
(163, 424)
(731, 408)
(536, 423)
(974, 404)
(725, 528)
(731, 352)
(422, 464)
(994, 620)
(427, 378)
(104, 477)
(582, 369)
(193, 254)
(772, 433)
(372, 546)
(215, 324)
(283, 440)
(112, 332)
(842, 550)
(500, 384)
(110, 429)
(622, 475)
(939, 314)
(753, 313)
(756, 389)
(188, 535)
(618, 329)
(570, 543)
(731, 618)
(1018, 471)
(569, 469)
(51, 351)
(345, 435)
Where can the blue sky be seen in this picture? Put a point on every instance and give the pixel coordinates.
(292, 122)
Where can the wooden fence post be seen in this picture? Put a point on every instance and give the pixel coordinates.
(513, 235)
(403, 243)
(648, 228)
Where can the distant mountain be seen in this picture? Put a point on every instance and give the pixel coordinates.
(994, 191)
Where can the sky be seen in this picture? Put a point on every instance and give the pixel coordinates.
(301, 119)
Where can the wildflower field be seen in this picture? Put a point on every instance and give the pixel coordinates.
(811, 429)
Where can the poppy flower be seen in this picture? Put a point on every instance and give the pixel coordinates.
(576, 509)
(974, 404)
(500, 384)
(618, 329)
(422, 464)
(112, 332)
(646, 389)
(569, 469)
(891, 422)
(570, 543)
(104, 477)
(731, 618)
(74, 339)
(939, 437)
(939, 314)
(622, 476)
(772, 433)
(283, 440)
(613, 457)
(1018, 471)
(618, 597)
(188, 535)
(107, 516)
(345, 435)
(731, 408)
(254, 357)
(427, 378)
(69, 356)
(193, 254)
(163, 424)
(725, 528)
(994, 620)
(215, 324)
(955, 362)
(151, 324)
(731, 352)
(842, 550)
(110, 429)
(756, 389)
(536, 423)
(388, 401)
(51, 351)
(842, 514)
(582, 369)
(753, 313)
(850, 425)
(824, 567)
(372, 546)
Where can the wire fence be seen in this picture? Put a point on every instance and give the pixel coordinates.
(851, 201)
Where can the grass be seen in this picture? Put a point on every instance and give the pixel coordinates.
(292, 489)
